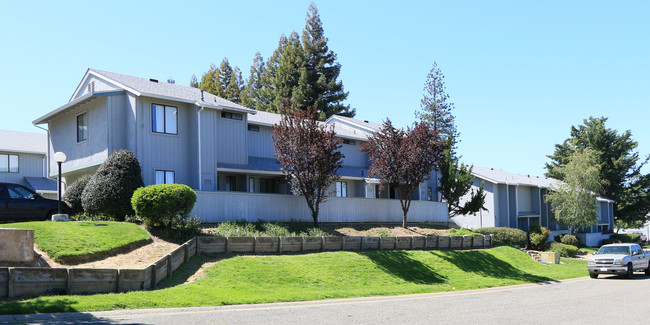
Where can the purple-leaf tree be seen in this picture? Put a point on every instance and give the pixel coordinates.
(403, 159)
(309, 154)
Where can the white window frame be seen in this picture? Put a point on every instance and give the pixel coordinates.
(169, 176)
(167, 111)
(5, 163)
(232, 116)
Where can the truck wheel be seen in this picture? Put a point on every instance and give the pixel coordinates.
(593, 275)
(630, 271)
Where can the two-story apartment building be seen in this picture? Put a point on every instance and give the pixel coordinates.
(23, 161)
(221, 149)
(518, 201)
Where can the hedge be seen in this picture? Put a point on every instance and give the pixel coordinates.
(510, 236)
(166, 205)
(563, 249)
(570, 240)
(538, 236)
(73, 194)
(623, 238)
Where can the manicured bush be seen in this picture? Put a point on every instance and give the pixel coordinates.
(510, 236)
(570, 240)
(538, 236)
(110, 190)
(166, 205)
(626, 238)
(563, 249)
(73, 194)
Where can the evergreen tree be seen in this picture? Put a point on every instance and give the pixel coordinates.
(210, 82)
(268, 78)
(289, 72)
(224, 76)
(194, 82)
(435, 108)
(319, 86)
(574, 201)
(619, 168)
(234, 88)
(251, 94)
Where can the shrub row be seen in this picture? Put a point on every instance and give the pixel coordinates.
(564, 249)
(510, 236)
(166, 205)
(622, 238)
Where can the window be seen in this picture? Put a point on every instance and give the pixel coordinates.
(82, 127)
(164, 119)
(348, 141)
(341, 189)
(231, 183)
(429, 193)
(165, 177)
(19, 192)
(254, 128)
(251, 184)
(8, 163)
(232, 116)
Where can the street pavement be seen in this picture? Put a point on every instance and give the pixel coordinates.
(606, 300)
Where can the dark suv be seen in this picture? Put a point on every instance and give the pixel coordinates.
(18, 203)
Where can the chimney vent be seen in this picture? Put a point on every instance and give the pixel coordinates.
(154, 80)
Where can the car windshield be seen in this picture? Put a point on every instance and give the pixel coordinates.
(614, 250)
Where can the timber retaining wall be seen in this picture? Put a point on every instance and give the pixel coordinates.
(36, 281)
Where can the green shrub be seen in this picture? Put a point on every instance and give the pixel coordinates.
(461, 232)
(265, 228)
(110, 190)
(91, 217)
(166, 205)
(538, 236)
(570, 240)
(563, 249)
(73, 194)
(510, 236)
(625, 238)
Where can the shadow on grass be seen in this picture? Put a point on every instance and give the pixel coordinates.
(484, 264)
(38, 305)
(194, 265)
(400, 264)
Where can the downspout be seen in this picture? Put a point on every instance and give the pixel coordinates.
(199, 145)
(508, 204)
(46, 168)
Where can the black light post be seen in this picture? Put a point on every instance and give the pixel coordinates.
(59, 157)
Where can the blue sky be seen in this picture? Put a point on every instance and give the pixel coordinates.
(520, 73)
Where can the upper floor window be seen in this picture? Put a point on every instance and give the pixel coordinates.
(232, 116)
(341, 189)
(348, 141)
(165, 177)
(164, 119)
(8, 163)
(254, 128)
(82, 127)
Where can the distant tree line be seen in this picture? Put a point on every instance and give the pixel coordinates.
(302, 70)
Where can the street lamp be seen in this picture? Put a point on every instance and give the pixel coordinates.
(59, 157)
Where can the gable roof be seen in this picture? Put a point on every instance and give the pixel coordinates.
(23, 142)
(499, 176)
(148, 88)
(270, 119)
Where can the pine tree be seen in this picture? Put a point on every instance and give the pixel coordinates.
(234, 88)
(194, 82)
(319, 86)
(435, 108)
(289, 72)
(225, 75)
(251, 96)
(210, 81)
(268, 79)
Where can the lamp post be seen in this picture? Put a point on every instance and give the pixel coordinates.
(59, 157)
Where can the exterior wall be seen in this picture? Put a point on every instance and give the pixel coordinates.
(63, 136)
(29, 165)
(260, 144)
(483, 218)
(524, 195)
(99, 85)
(225, 206)
(354, 157)
(231, 136)
(175, 152)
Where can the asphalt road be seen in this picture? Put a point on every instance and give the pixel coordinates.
(606, 300)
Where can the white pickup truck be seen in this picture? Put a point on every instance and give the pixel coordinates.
(622, 259)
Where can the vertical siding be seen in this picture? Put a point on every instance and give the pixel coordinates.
(354, 157)
(231, 138)
(209, 143)
(260, 144)
(29, 165)
(504, 214)
(524, 195)
(512, 206)
(157, 151)
(63, 131)
(118, 122)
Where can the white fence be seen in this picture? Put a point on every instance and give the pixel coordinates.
(214, 207)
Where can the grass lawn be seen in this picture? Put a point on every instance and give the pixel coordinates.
(68, 242)
(259, 279)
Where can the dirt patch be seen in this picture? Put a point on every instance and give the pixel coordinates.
(383, 230)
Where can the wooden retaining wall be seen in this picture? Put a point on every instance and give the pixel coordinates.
(36, 281)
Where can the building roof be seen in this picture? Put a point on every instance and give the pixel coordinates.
(499, 176)
(270, 119)
(148, 88)
(24, 142)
